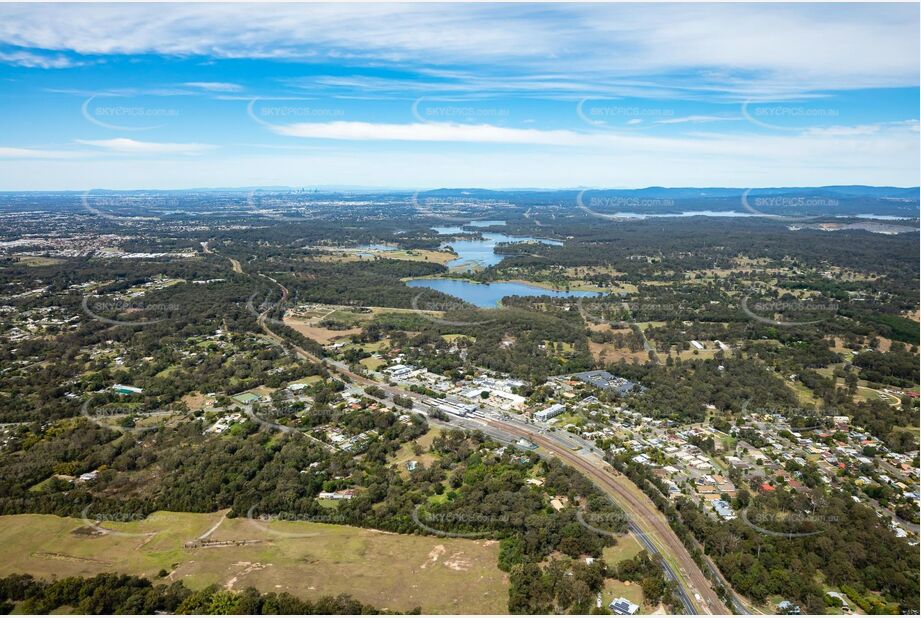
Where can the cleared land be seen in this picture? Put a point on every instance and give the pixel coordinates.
(406, 454)
(610, 353)
(309, 560)
(614, 589)
(627, 547)
(419, 255)
(319, 334)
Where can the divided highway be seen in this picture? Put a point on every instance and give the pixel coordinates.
(647, 523)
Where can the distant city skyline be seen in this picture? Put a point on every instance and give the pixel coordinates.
(423, 96)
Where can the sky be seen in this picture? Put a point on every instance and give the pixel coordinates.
(421, 96)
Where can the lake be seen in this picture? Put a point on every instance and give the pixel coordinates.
(688, 213)
(488, 295)
(481, 252)
(486, 224)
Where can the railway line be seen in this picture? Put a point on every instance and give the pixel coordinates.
(646, 522)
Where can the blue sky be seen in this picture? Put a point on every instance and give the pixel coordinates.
(492, 95)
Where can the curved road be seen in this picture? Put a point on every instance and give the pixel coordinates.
(646, 521)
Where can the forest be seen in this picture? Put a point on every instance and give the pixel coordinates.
(109, 594)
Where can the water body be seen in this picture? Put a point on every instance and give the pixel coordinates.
(444, 230)
(881, 217)
(488, 295)
(486, 223)
(481, 252)
(374, 247)
(735, 213)
(689, 213)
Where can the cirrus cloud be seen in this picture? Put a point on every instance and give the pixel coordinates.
(130, 146)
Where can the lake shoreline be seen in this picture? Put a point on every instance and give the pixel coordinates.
(488, 295)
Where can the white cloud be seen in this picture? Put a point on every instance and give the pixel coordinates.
(743, 50)
(215, 86)
(785, 160)
(697, 119)
(428, 132)
(862, 129)
(901, 137)
(10, 152)
(130, 146)
(38, 61)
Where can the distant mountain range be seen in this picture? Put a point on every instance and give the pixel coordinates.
(844, 191)
(828, 201)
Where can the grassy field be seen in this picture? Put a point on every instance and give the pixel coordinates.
(372, 364)
(319, 334)
(614, 588)
(803, 393)
(627, 547)
(452, 337)
(306, 380)
(419, 255)
(694, 353)
(37, 260)
(572, 285)
(406, 454)
(306, 559)
(609, 353)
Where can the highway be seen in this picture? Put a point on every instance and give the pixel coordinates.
(647, 523)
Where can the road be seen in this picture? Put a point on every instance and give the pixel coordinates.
(234, 264)
(629, 322)
(889, 398)
(637, 328)
(646, 521)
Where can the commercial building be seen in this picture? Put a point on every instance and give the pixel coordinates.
(605, 381)
(554, 410)
(451, 407)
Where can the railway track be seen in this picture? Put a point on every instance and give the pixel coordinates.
(646, 522)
